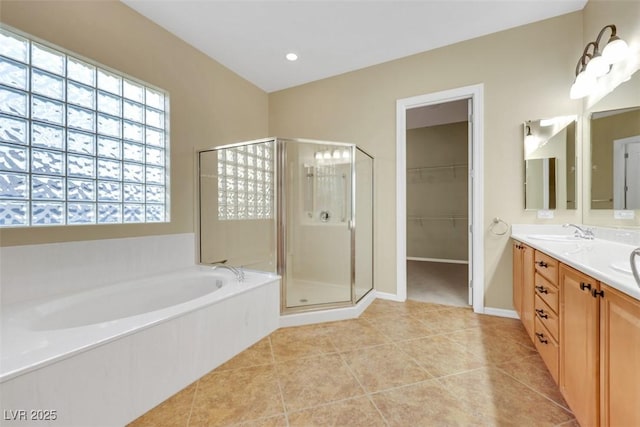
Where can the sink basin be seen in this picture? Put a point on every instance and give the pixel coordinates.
(555, 237)
(624, 266)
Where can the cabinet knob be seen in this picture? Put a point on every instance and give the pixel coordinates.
(541, 313)
(542, 289)
(584, 286)
(541, 338)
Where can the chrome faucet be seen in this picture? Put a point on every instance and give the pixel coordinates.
(583, 233)
(237, 271)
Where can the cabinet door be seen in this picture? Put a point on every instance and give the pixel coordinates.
(619, 359)
(528, 293)
(517, 277)
(579, 333)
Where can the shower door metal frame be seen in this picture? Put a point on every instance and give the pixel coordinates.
(281, 228)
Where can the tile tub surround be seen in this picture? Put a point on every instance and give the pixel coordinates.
(439, 365)
(117, 381)
(593, 257)
(36, 271)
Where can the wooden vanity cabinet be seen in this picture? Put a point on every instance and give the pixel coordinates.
(523, 293)
(588, 335)
(619, 359)
(579, 355)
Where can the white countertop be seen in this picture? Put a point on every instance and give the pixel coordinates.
(604, 260)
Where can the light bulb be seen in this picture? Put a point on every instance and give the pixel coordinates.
(336, 154)
(317, 155)
(598, 66)
(615, 51)
(583, 85)
(345, 154)
(326, 155)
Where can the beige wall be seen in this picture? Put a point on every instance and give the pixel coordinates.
(526, 72)
(210, 105)
(436, 193)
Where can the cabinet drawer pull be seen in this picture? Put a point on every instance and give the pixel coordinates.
(541, 313)
(584, 286)
(543, 264)
(541, 338)
(596, 293)
(542, 289)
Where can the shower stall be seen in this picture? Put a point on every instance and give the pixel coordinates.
(300, 208)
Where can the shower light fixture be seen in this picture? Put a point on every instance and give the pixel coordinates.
(595, 63)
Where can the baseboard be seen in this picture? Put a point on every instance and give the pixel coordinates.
(442, 260)
(388, 296)
(501, 312)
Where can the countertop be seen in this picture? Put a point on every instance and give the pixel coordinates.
(602, 259)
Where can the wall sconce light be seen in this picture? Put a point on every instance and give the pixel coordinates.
(594, 64)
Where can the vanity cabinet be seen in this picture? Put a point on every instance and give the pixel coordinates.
(588, 335)
(523, 293)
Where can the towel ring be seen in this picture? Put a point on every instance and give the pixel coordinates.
(497, 221)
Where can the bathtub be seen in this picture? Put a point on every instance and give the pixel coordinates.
(128, 345)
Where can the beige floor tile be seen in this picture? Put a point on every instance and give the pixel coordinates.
(352, 334)
(382, 367)
(499, 400)
(533, 372)
(233, 396)
(353, 413)
(422, 404)
(403, 328)
(493, 348)
(442, 356)
(258, 354)
(277, 421)
(301, 341)
(316, 380)
(380, 309)
(172, 412)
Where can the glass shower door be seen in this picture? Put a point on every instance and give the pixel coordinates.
(316, 206)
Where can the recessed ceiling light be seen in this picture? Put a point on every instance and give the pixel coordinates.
(291, 56)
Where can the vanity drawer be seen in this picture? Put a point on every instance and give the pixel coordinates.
(547, 291)
(548, 348)
(547, 316)
(547, 267)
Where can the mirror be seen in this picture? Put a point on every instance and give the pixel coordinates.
(615, 159)
(550, 163)
(611, 129)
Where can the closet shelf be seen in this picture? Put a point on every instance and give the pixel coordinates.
(426, 168)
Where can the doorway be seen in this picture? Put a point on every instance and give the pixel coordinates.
(437, 153)
(472, 96)
(626, 173)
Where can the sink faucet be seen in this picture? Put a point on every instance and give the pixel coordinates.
(583, 233)
(237, 271)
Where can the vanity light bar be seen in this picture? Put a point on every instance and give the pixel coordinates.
(593, 64)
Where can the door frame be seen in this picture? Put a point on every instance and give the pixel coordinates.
(619, 169)
(476, 177)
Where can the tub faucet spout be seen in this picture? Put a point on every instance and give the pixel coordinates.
(583, 233)
(237, 271)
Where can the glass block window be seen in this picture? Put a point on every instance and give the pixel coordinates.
(245, 182)
(79, 143)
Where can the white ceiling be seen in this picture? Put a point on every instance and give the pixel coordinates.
(333, 37)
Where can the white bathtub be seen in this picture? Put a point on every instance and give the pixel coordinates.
(129, 345)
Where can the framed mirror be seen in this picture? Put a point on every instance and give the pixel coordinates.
(611, 131)
(550, 163)
(615, 159)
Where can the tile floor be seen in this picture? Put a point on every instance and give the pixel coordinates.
(399, 364)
